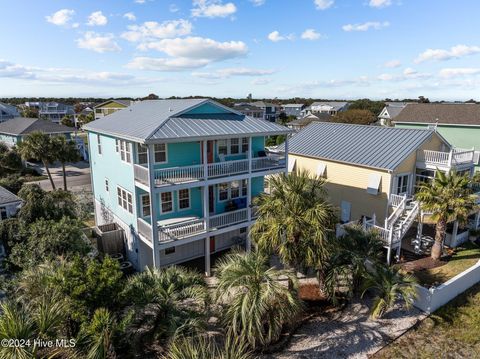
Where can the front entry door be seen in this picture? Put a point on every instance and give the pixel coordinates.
(402, 184)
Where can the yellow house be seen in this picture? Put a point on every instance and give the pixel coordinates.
(109, 107)
(372, 171)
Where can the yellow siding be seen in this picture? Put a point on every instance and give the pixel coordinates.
(113, 104)
(349, 183)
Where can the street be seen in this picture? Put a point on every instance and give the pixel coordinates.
(78, 176)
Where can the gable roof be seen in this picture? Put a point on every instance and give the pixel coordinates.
(121, 102)
(311, 118)
(23, 126)
(392, 111)
(443, 113)
(12, 110)
(160, 120)
(293, 105)
(370, 146)
(334, 104)
(7, 197)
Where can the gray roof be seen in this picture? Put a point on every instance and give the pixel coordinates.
(370, 146)
(443, 113)
(393, 111)
(263, 104)
(337, 105)
(311, 118)
(7, 196)
(12, 110)
(160, 120)
(294, 105)
(24, 126)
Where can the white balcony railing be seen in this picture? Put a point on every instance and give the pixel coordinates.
(456, 157)
(228, 218)
(396, 200)
(227, 168)
(181, 230)
(141, 174)
(179, 175)
(145, 229)
(265, 163)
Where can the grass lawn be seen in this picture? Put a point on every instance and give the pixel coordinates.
(450, 332)
(464, 258)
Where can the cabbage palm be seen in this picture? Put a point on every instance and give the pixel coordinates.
(167, 302)
(389, 285)
(39, 146)
(353, 254)
(100, 334)
(201, 347)
(256, 305)
(66, 152)
(449, 197)
(295, 220)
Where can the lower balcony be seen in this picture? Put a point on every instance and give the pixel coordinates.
(186, 174)
(187, 227)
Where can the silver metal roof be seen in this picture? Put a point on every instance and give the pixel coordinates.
(23, 126)
(155, 120)
(370, 146)
(7, 197)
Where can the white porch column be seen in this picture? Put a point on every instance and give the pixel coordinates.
(154, 209)
(286, 153)
(250, 150)
(205, 159)
(207, 257)
(477, 220)
(206, 216)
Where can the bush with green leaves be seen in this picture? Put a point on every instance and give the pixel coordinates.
(206, 348)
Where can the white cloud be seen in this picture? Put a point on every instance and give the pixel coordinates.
(276, 37)
(140, 1)
(97, 19)
(212, 8)
(261, 81)
(258, 2)
(376, 25)
(130, 16)
(323, 4)
(458, 72)
(392, 64)
(165, 64)
(311, 34)
(380, 3)
(385, 77)
(173, 8)
(442, 54)
(234, 71)
(61, 17)
(98, 43)
(152, 30)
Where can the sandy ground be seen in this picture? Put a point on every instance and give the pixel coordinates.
(348, 334)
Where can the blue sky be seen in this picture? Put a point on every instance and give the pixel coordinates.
(270, 48)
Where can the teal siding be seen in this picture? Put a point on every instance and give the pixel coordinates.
(182, 154)
(257, 186)
(258, 144)
(195, 210)
(207, 108)
(9, 140)
(109, 165)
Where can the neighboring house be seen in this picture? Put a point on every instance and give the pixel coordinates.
(458, 123)
(85, 112)
(331, 107)
(372, 173)
(55, 111)
(109, 107)
(9, 204)
(249, 110)
(389, 112)
(13, 131)
(179, 177)
(293, 109)
(7, 112)
(297, 125)
(270, 110)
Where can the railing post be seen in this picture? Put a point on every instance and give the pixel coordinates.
(205, 160)
(250, 150)
(450, 158)
(153, 207)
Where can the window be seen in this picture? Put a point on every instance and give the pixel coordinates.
(222, 147)
(244, 188)
(184, 199)
(223, 191)
(99, 144)
(125, 199)
(125, 151)
(402, 184)
(235, 189)
(244, 144)
(142, 154)
(145, 203)
(160, 153)
(117, 145)
(107, 189)
(170, 250)
(234, 146)
(167, 202)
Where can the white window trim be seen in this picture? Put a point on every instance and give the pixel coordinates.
(229, 147)
(107, 185)
(141, 205)
(161, 202)
(127, 193)
(397, 177)
(229, 192)
(166, 153)
(128, 146)
(99, 145)
(189, 200)
(137, 155)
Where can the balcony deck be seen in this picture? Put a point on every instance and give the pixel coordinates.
(187, 174)
(457, 158)
(182, 228)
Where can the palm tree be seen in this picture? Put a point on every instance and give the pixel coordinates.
(389, 285)
(39, 146)
(100, 334)
(166, 302)
(201, 347)
(353, 254)
(449, 197)
(256, 304)
(295, 220)
(66, 152)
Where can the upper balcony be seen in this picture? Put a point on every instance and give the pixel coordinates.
(196, 173)
(455, 159)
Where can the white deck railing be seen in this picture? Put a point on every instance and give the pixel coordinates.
(396, 200)
(141, 174)
(228, 218)
(178, 175)
(181, 230)
(264, 163)
(456, 157)
(397, 212)
(144, 228)
(227, 168)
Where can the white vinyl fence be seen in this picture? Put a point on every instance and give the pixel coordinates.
(431, 299)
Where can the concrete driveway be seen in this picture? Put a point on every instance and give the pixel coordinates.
(78, 176)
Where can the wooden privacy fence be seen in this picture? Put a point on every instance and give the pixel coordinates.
(110, 238)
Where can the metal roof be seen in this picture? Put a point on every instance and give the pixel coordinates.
(7, 196)
(370, 146)
(154, 120)
(12, 110)
(24, 126)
